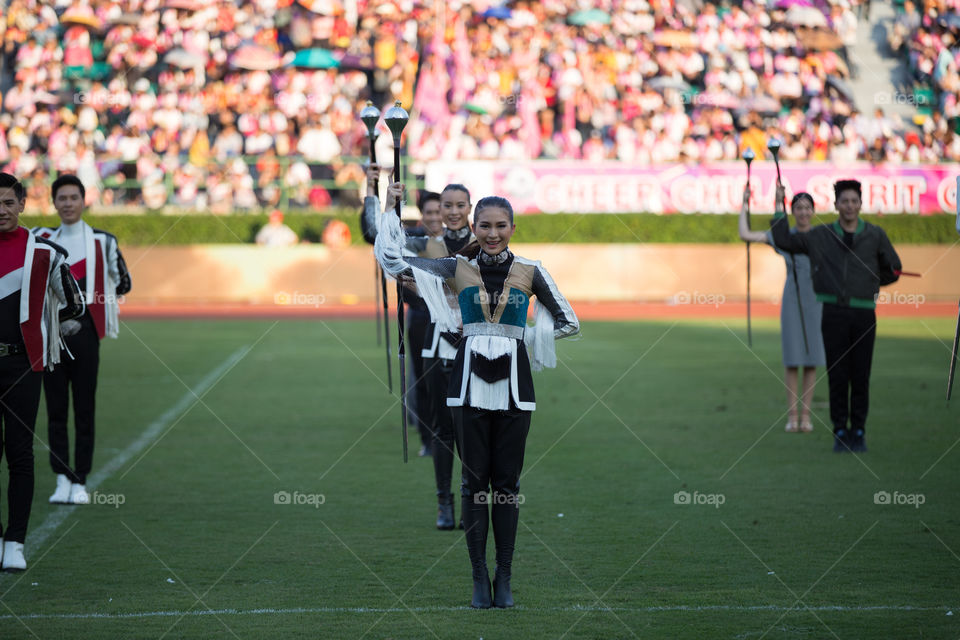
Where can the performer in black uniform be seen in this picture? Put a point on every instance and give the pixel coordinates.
(97, 264)
(37, 293)
(491, 388)
(419, 410)
(441, 342)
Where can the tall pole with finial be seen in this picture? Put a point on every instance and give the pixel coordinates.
(748, 157)
(956, 336)
(371, 116)
(396, 118)
(774, 147)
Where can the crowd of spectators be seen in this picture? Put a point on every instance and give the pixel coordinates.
(929, 36)
(227, 105)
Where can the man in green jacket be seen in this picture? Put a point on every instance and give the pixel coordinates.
(851, 259)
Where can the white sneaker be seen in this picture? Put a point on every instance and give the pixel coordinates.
(79, 495)
(13, 559)
(62, 494)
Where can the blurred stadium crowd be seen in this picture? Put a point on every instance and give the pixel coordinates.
(227, 105)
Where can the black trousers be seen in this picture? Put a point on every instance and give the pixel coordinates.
(492, 444)
(444, 442)
(848, 337)
(419, 411)
(19, 402)
(76, 378)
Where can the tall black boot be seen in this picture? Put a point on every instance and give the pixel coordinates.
(476, 522)
(506, 516)
(445, 512)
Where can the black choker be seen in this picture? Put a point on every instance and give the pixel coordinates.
(456, 234)
(489, 260)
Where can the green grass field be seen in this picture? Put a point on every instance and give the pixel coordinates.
(634, 413)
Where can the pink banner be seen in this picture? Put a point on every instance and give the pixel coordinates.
(611, 187)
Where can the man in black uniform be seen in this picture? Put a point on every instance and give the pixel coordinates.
(97, 264)
(37, 292)
(851, 259)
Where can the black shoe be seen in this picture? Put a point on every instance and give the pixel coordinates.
(859, 442)
(502, 598)
(445, 513)
(840, 441)
(481, 594)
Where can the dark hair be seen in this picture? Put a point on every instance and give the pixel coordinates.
(427, 196)
(456, 187)
(847, 185)
(803, 195)
(8, 181)
(493, 202)
(64, 180)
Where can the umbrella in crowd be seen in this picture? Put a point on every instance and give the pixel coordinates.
(786, 4)
(806, 16)
(255, 58)
(315, 59)
(662, 83)
(498, 13)
(819, 39)
(82, 16)
(184, 59)
(589, 16)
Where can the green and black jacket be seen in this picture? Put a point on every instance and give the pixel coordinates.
(844, 276)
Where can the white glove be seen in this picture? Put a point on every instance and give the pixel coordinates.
(70, 327)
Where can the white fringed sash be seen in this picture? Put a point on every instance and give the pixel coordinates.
(541, 347)
(494, 396)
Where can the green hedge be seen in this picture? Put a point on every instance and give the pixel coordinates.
(152, 229)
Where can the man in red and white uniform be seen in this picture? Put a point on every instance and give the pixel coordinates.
(97, 264)
(37, 293)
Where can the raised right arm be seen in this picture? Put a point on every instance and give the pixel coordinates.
(743, 227)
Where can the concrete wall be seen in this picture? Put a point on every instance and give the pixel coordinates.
(308, 275)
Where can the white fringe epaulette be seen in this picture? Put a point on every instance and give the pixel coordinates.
(539, 339)
(390, 249)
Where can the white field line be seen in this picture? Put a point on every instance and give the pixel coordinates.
(36, 537)
(571, 609)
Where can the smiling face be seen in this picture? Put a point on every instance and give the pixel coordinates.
(493, 229)
(455, 207)
(68, 203)
(803, 214)
(10, 209)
